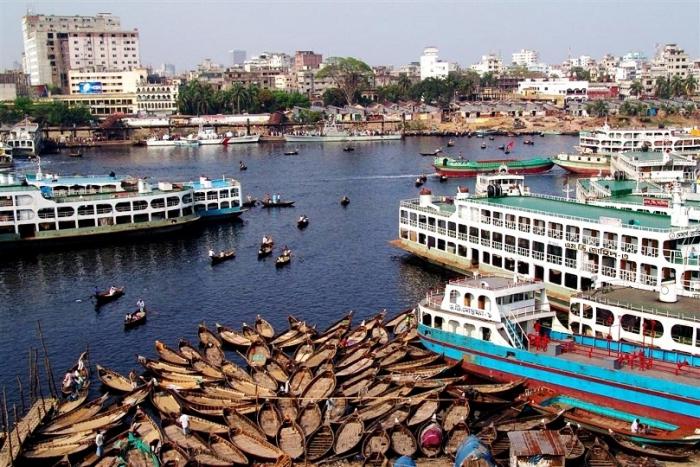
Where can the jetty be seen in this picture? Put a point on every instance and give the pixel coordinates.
(24, 428)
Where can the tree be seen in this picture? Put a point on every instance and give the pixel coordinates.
(636, 88)
(488, 79)
(404, 83)
(663, 88)
(335, 97)
(580, 74)
(677, 86)
(691, 85)
(597, 108)
(237, 94)
(631, 109)
(306, 117)
(350, 74)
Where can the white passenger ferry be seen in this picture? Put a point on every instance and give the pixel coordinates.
(569, 245)
(332, 134)
(661, 167)
(51, 208)
(24, 138)
(611, 140)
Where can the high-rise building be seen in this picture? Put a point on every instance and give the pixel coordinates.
(307, 60)
(526, 58)
(431, 66)
(490, 63)
(55, 44)
(671, 61)
(239, 56)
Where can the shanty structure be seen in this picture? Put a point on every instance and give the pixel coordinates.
(540, 448)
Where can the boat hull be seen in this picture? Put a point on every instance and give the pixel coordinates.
(241, 139)
(338, 139)
(220, 213)
(633, 391)
(172, 143)
(454, 172)
(584, 168)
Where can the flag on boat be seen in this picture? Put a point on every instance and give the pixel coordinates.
(510, 144)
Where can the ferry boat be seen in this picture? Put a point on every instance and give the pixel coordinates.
(167, 140)
(209, 136)
(623, 351)
(450, 167)
(584, 163)
(25, 139)
(663, 167)
(48, 208)
(6, 160)
(569, 245)
(611, 140)
(332, 134)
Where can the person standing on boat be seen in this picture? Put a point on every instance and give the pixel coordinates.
(211, 252)
(99, 442)
(184, 423)
(141, 304)
(635, 426)
(133, 378)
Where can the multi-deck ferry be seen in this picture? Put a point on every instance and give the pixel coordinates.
(605, 140)
(50, 208)
(569, 245)
(624, 353)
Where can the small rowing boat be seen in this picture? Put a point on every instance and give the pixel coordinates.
(222, 256)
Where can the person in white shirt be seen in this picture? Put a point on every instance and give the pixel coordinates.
(635, 426)
(99, 442)
(184, 423)
(211, 252)
(141, 304)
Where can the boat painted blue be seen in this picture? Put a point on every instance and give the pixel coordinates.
(473, 448)
(215, 213)
(629, 386)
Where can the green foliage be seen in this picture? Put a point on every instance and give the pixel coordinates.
(632, 109)
(350, 75)
(334, 96)
(521, 71)
(307, 117)
(636, 88)
(580, 74)
(197, 98)
(45, 113)
(597, 108)
(675, 86)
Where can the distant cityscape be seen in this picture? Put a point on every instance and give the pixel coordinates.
(94, 61)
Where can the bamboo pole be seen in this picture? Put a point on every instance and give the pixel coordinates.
(5, 417)
(47, 362)
(21, 395)
(16, 428)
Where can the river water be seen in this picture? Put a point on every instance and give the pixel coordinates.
(343, 259)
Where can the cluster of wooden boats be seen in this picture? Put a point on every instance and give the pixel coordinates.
(254, 395)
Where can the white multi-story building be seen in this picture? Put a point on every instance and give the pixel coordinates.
(268, 61)
(55, 44)
(556, 88)
(526, 58)
(490, 63)
(670, 61)
(107, 82)
(432, 67)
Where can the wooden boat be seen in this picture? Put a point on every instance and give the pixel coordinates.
(369, 373)
(456, 413)
(402, 441)
(172, 456)
(424, 411)
(355, 388)
(255, 446)
(281, 358)
(417, 352)
(310, 418)
(69, 405)
(222, 256)
(203, 425)
(468, 168)
(50, 449)
(263, 379)
(299, 380)
(327, 352)
(335, 409)
(293, 152)
(221, 392)
(356, 336)
(291, 439)
(94, 423)
(348, 149)
(269, 419)
(136, 318)
(377, 442)
(264, 328)
(258, 354)
(412, 364)
(102, 298)
(303, 222)
(190, 443)
(266, 203)
(287, 407)
(414, 374)
(432, 153)
(350, 356)
(114, 380)
(189, 351)
(375, 410)
(209, 460)
(249, 202)
(265, 250)
(356, 367)
(232, 337)
(344, 201)
(214, 355)
(376, 460)
(226, 450)
(377, 388)
(492, 388)
(170, 355)
(285, 336)
(204, 368)
(237, 421)
(166, 403)
(301, 326)
(160, 367)
(527, 423)
(380, 335)
(395, 356)
(300, 338)
(488, 435)
(137, 396)
(434, 383)
(430, 438)
(500, 447)
(455, 438)
(75, 154)
(319, 388)
(276, 370)
(284, 259)
(348, 435)
(646, 451)
(319, 443)
(206, 337)
(249, 388)
(419, 182)
(598, 455)
(81, 413)
(573, 447)
(303, 352)
(342, 323)
(509, 412)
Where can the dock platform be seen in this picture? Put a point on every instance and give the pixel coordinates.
(24, 428)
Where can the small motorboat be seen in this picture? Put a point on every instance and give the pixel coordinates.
(450, 143)
(265, 250)
(222, 256)
(348, 149)
(491, 138)
(443, 178)
(541, 134)
(419, 182)
(528, 141)
(268, 203)
(293, 152)
(108, 296)
(507, 151)
(303, 222)
(242, 166)
(423, 178)
(483, 145)
(344, 201)
(502, 147)
(250, 202)
(75, 154)
(138, 317)
(284, 259)
(434, 153)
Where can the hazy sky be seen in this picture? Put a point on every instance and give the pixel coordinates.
(380, 32)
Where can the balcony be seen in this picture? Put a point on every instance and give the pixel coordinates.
(610, 244)
(650, 251)
(485, 242)
(626, 275)
(554, 259)
(570, 263)
(485, 220)
(498, 222)
(590, 267)
(538, 255)
(523, 251)
(524, 227)
(510, 225)
(588, 240)
(474, 239)
(538, 230)
(628, 247)
(555, 233)
(608, 271)
(572, 237)
(497, 245)
(646, 279)
(509, 248)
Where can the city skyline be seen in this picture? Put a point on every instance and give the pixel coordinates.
(450, 26)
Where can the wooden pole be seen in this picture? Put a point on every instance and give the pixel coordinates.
(5, 420)
(47, 363)
(21, 395)
(37, 381)
(16, 424)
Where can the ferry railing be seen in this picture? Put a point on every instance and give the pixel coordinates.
(572, 237)
(510, 225)
(610, 244)
(7, 218)
(5, 202)
(608, 271)
(485, 220)
(442, 231)
(524, 227)
(650, 251)
(677, 257)
(473, 239)
(647, 279)
(554, 233)
(628, 247)
(66, 214)
(650, 310)
(485, 242)
(509, 248)
(589, 240)
(104, 211)
(538, 230)
(590, 267)
(626, 275)
(452, 233)
(570, 263)
(47, 215)
(538, 255)
(497, 222)
(554, 259)
(523, 251)
(497, 245)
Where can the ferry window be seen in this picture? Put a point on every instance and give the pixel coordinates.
(486, 258)
(510, 264)
(574, 308)
(452, 326)
(575, 327)
(224, 205)
(462, 251)
(486, 334)
(140, 205)
(497, 261)
(212, 206)
(653, 328)
(454, 296)
(211, 195)
(682, 334)
(468, 299)
(404, 214)
(484, 303)
(156, 203)
(469, 329)
(441, 244)
(427, 320)
(604, 317)
(587, 312)
(571, 281)
(223, 193)
(438, 322)
(173, 201)
(414, 216)
(451, 226)
(630, 323)
(554, 276)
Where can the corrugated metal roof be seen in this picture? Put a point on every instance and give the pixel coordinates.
(532, 443)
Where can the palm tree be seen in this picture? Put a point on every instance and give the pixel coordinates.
(404, 83)
(677, 86)
(691, 84)
(663, 88)
(636, 88)
(238, 93)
